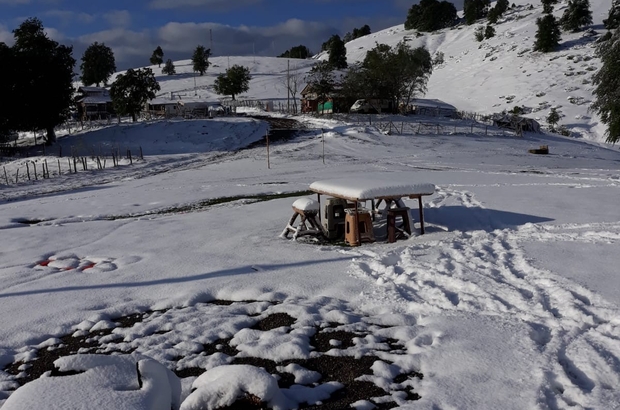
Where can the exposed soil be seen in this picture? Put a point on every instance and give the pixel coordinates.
(332, 368)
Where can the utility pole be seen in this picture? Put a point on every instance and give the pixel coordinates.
(288, 86)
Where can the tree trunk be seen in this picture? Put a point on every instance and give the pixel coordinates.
(233, 97)
(51, 135)
(133, 117)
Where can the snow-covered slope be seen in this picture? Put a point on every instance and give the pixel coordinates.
(503, 72)
(486, 77)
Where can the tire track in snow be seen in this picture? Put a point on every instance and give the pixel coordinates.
(488, 273)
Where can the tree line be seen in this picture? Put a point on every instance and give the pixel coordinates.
(37, 79)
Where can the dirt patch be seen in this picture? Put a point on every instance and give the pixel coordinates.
(274, 321)
(336, 366)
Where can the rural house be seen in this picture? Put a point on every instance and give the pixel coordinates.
(94, 103)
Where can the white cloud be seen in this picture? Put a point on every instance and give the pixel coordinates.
(6, 36)
(67, 17)
(118, 18)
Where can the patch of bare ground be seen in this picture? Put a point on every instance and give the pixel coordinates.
(338, 367)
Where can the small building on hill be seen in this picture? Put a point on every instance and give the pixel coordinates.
(516, 123)
(163, 107)
(310, 102)
(431, 108)
(94, 103)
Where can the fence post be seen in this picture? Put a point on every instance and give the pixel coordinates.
(28, 170)
(323, 137)
(34, 165)
(267, 138)
(6, 177)
(59, 173)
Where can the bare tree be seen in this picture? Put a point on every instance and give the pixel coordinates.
(291, 83)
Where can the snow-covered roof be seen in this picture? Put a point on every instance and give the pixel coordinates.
(91, 89)
(163, 101)
(433, 103)
(95, 99)
(373, 186)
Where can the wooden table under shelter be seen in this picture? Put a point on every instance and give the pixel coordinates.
(389, 189)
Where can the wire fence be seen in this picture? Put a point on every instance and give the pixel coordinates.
(42, 162)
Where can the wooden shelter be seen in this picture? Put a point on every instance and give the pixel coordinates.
(94, 103)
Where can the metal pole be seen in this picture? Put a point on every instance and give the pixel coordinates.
(323, 136)
(288, 86)
(267, 138)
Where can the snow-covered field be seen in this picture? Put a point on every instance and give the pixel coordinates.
(509, 301)
(173, 263)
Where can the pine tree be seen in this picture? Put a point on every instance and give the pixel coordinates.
(475, 9)
(489, 32)
(169, 68)
(200, 59)
(553, 118)
(576, 16)
(132, 90)
(431, 15)
(607, 92)
(157, 57)
(97, 64)
(548, 35)
(299, 51)
(613, 20)
(234, 82)
(479, 33)
(337, 53)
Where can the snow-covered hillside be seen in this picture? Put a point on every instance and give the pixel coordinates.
(503, 72)
(485, 77)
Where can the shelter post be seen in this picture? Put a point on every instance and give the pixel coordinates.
(421, 215)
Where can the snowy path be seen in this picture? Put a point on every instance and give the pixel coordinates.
(576, 331)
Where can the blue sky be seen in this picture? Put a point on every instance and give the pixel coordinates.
(133, 28)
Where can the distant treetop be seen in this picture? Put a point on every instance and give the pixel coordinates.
(431, 15)
(299, 51)
(357, 33)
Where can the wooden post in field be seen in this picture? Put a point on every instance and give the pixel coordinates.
(34, 165)
(402, 128)
(28, 170)
(323, 137)
(5, 176)
(59, 173)
(472, 129)
(46, 174)
(17, 176)
(267, 139)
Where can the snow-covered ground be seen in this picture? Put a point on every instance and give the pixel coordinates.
(510, 300)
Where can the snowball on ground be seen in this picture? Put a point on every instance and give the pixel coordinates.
(107, 382)
(222, 386)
